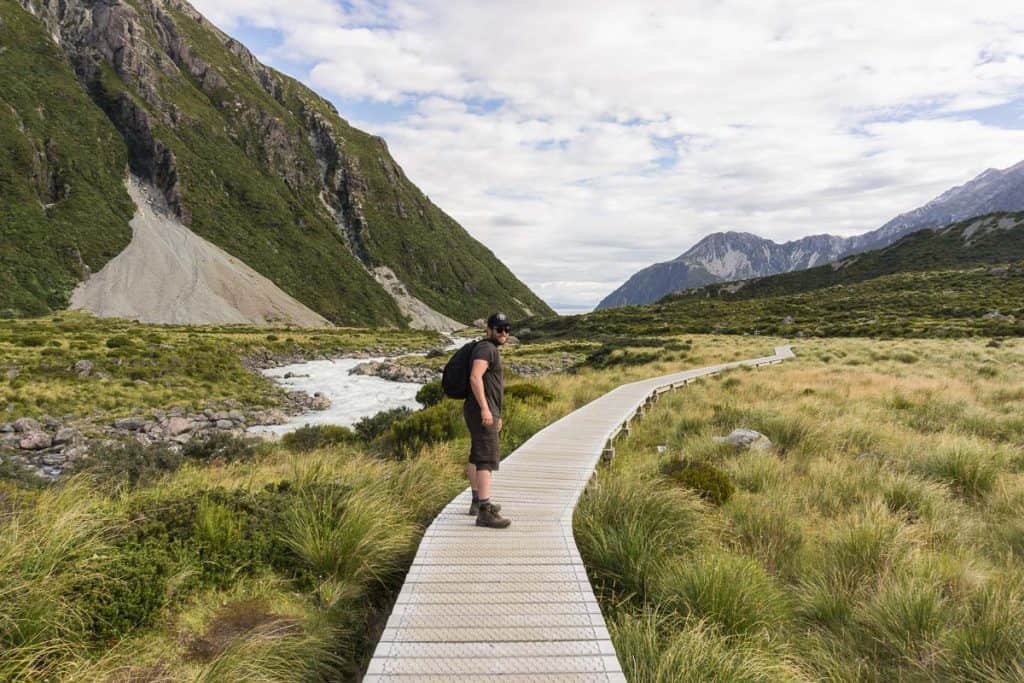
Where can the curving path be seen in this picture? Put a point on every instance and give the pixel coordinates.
(515, 604)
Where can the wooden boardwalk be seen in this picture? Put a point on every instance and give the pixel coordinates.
(515, 604)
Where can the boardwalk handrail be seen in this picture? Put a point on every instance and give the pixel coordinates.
(516, 603)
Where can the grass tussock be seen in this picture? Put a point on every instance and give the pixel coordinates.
(879, 539)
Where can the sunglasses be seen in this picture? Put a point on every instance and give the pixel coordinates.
(503, 328)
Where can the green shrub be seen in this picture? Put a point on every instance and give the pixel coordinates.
(129, 463)
(118, 341)
(528, 393)
(31, 341)
(430, 394)
(431, 425)
(369, 428)
(312, 437)
(709, 482)
(220, 446)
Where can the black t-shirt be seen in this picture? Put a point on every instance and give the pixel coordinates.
(494, 384)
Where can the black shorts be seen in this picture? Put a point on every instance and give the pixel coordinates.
(483, 452)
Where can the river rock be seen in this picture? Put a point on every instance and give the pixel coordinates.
(236, 416)
(269, 417)
(83, 368)
(26, 424)
(436, 353)
(746, 438)
(6, 428)
(319, 402)
(35, 441)
(225, 424)
(395, 372)
(65, 435)
(132, 424)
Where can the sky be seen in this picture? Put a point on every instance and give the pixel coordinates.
(584, 140)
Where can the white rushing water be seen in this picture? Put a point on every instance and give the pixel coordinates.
(353, 397)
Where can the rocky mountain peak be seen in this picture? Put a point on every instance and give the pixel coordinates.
(729, 255)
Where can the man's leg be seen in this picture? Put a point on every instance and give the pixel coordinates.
(471, 475)
(483, 484)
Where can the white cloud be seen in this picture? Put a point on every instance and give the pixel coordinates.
(582, 141)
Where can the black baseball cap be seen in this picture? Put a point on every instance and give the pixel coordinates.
(497, 319)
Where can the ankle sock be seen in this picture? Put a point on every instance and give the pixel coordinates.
(485, 501)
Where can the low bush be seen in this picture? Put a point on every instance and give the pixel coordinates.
(118, 341)
(430, 394)
(129, 463)
(431, 425)
(219, 446)
(709, 482)
(369, 428)
(312, 437)
(528, 393)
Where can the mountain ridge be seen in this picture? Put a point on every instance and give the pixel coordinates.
(727, 256)
(245, 157)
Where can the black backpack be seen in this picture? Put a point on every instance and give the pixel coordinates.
(455, 377)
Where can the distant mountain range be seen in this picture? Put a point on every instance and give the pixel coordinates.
(966, 279)
(728, 256)
(264, 204)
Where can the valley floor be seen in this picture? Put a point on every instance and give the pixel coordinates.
(880, 538)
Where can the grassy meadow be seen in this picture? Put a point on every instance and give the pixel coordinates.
(880, 539)
(233, 561)
(158, 366)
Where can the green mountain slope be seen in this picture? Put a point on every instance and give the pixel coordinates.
(258, 164)
(964, 280)
(63, 206)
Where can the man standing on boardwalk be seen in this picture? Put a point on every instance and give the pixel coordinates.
(482, 411)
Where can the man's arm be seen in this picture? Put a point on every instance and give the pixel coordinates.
(476, 384)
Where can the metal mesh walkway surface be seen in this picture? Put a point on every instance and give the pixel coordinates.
(515, 604)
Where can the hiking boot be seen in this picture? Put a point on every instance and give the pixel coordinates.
(489, 517)
(474, 507)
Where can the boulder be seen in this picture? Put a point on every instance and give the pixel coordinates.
(236, 415)
(65, 435)
(83, 368)
(132, 424)
(35, 441)
(480, 322)
(436, 353)
(225, 424)
(26, 424)
(746, 438)
(319, 402)
(6, 428)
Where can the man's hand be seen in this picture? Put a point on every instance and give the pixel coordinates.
(486, 417)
